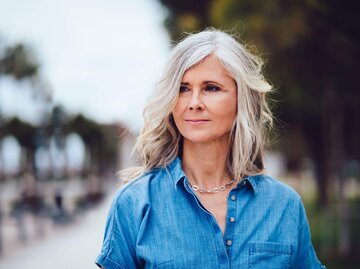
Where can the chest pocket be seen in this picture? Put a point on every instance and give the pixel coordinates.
(269, 255)
(176, 265)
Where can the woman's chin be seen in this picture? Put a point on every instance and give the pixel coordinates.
(203, 139)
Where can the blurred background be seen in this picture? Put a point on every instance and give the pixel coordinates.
(75, 75)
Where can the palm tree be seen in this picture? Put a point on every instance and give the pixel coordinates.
(16, 61)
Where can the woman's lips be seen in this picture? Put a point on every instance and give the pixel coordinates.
(197, 121)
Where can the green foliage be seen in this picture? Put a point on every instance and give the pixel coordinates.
(186, 16)
(18, 62)
(325, 227)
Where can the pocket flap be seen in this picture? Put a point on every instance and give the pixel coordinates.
(272, 247)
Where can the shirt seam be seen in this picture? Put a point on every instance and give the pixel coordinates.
(121, 267)
(107, 254)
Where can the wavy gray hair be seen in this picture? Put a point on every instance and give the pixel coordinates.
(159, 141)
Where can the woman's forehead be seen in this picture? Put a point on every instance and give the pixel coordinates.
(210, 68)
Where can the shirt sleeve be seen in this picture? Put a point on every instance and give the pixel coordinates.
(118, 250)
(306, 256)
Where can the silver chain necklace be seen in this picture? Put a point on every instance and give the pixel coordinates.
(213, 190)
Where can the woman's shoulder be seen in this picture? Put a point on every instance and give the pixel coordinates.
(274, 187)
(277, 194)
(137, 191)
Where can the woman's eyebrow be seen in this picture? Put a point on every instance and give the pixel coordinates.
(212, 82)
(206, 82)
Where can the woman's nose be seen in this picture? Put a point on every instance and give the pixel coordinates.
(195, 102)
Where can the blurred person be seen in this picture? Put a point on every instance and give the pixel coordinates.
(200, 198)
(58, 199)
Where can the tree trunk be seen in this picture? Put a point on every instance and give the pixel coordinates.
(335, 154)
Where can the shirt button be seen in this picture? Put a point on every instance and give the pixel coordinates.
(228, 242)
(233, 197)
(232, 219)
(244, 183)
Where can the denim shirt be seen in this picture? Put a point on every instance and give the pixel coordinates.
(156, 221)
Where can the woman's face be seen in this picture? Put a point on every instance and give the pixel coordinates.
(207, 104)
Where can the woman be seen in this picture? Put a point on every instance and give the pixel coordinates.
(200, 199)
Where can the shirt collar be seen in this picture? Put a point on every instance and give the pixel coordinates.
(177, 174)
(176, 171)
(251, 181)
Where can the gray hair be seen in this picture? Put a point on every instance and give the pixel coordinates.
(159, 141)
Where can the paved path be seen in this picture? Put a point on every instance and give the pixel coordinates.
(75, 247)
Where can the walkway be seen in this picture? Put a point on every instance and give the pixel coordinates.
(74, 247)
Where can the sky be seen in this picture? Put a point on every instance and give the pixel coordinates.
(100, 58)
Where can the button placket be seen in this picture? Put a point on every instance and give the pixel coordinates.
(230, 222)
(219, 242)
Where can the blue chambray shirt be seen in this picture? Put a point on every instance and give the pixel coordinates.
(156, 221)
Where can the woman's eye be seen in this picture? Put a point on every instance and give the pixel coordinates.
(212, 88)
(183, 89)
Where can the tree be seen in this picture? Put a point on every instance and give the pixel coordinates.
(27, 136)
(16, 61)
(99, 140)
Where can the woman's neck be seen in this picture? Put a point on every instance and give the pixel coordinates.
(205, 163)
